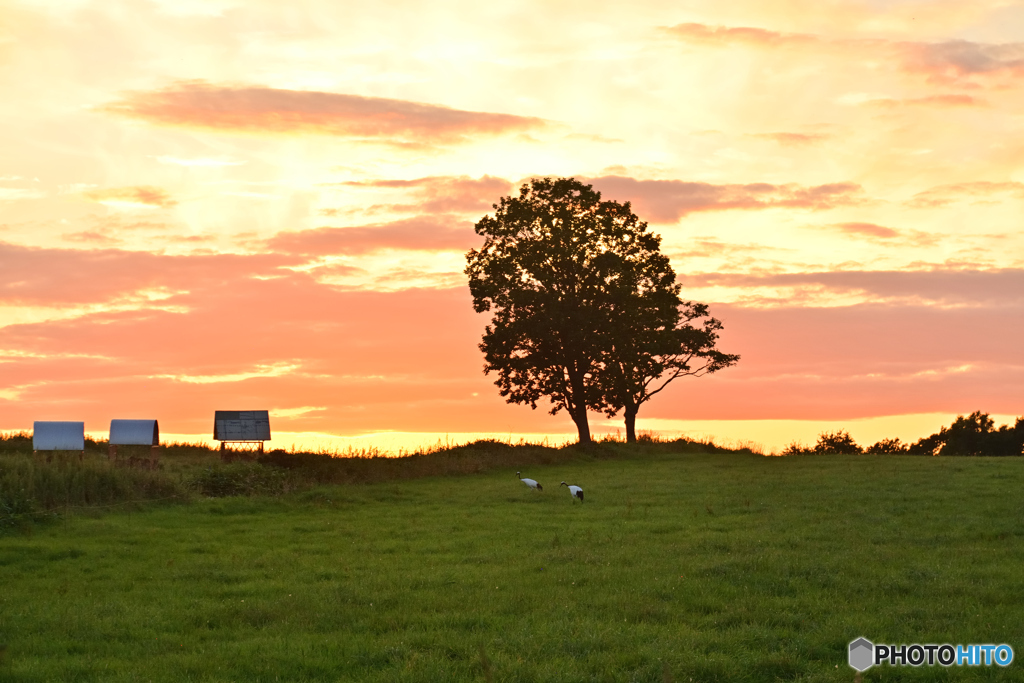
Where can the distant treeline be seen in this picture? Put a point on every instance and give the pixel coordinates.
(975, 434)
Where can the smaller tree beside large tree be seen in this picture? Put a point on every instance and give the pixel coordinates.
(652, 346)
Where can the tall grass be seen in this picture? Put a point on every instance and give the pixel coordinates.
(34, 488)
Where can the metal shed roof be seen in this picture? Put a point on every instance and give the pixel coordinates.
(241, 425)
(58, 436)
(134, 433)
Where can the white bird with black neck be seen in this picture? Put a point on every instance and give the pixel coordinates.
(532, 483)
(575, 491)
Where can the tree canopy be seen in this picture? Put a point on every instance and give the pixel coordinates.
(586, 309)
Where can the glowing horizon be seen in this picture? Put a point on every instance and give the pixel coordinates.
(227, 205)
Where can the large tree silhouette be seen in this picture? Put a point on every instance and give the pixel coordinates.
(586, 309)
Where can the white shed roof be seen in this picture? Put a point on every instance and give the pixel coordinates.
(58, 436)
(134, 433)
(241, 425)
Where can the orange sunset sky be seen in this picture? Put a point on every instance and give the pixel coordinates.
(211, 204)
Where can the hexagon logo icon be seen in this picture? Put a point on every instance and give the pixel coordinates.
(862, 653)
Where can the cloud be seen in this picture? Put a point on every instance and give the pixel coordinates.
(91, 237)
(65, 277)
(444, 194)
(944, 287)
(742, 35)
(858, 361)
(259, 109)
(13, 193)
(867, 229)
(420, 233)
(139, 196)
(934, 100)
(792, 139)
(943, 195)
(950, 62)
(198, 161)
(666, 201)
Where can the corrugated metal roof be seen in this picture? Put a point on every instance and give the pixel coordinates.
(134, 433)
(241, 425)
(58, 436)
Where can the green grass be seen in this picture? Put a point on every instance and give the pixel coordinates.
(710, 567)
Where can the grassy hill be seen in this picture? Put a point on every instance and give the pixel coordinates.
(680, 566)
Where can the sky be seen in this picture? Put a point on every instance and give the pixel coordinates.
(224, 205)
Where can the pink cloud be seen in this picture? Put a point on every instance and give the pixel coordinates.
(269, 110)
(36, 276)
(951, 62)
(792, 139)
(942, 195)
(421, 233)
(867, 229)
(744, 35)
(859, 361)
(667, 201)
(142, 195)
(934, 100)
(445, 194)
(975, 288)
(91, 237)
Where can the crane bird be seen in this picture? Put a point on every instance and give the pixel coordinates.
(532, 483)
(575, 491)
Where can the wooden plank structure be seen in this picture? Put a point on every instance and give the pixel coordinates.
(53, 436)
(245, 428)
(136, 433)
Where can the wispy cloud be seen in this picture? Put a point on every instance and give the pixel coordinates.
(259, 371)
(91, 237)
(868, 229)
(420, 233)
(943, 195)
(132, 197)
(934, 100)
(937, 286)
(202, 161)
(951, 62)
(792, 139)
(731, 35)
(259, 109)
(443, 194)
(12, 193)
(670, 200)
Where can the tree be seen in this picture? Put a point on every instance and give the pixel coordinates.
(887, 447)
(653, 343)
(838, 441)
(586, 310)
(973, 435)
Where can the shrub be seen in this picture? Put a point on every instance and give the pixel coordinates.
(795, 448)
(16, 510)
(241, 479)
(887, 447)
(837, 442)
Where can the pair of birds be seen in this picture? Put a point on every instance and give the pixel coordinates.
(575, 491)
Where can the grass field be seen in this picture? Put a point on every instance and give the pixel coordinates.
(679, 567)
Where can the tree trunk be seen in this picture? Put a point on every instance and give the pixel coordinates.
(583, 426)
(578, 410)
(630, 426)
